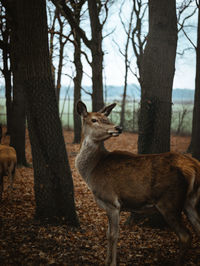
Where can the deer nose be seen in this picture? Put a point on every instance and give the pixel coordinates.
(119, 129)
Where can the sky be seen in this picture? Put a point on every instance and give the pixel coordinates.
(113, 61)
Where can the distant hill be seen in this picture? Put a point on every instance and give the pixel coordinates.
(115, 93)
(133, 92)
(183, 95)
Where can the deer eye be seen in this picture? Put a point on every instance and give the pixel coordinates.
(94, 120)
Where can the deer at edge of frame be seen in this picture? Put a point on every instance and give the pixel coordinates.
(122, 181)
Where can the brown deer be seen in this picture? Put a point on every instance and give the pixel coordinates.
(122, 181)
(8, 162)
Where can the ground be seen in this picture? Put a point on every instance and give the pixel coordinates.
(23, 241)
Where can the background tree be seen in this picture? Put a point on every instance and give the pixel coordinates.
(53, 181)
(77, 8)
(157, 73)
(125, 54)
(94, 44)
(18, 128)
(195, 143)
(6, 69)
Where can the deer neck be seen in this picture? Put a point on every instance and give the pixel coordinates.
(89, 156)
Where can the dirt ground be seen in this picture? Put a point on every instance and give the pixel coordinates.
(23, 241)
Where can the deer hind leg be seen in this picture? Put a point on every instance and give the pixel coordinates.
(191, 210)
(173, 217)
(11, 174)
(1, 186)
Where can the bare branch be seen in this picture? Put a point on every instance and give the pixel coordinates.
(189, 39)
(86, 57)
(106, 16)
(68, 14)
(184, 50)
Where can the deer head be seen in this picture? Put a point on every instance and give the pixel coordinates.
(96, 125)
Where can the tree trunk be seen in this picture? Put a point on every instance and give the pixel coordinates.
(77, 86)
(97, 56)
(156, 76)
(157, 73)
(195, 142)
(53, 181)
(17, 139)
(7, 77)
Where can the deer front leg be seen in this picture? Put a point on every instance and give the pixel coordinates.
(112, 235)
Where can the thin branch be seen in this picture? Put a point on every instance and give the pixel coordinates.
(184, 50)
(189, 39)
(87, 92)
(67, 37)
(68, 14)
(186, 18)
(86, 57)
(106, 16)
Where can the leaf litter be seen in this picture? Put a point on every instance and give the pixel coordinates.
(24, 241)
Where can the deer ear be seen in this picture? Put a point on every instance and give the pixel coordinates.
(107, 109)
(81, 109)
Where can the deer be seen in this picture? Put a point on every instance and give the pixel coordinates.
(8, 162)
(123, 181)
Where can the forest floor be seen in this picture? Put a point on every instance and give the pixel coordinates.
(23, 241)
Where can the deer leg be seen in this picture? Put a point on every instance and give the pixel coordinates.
(173, 218)
(11, 174)
(1, 186)
(191, 210)
(112, 235)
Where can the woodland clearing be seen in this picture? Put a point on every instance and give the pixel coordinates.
(24, 241)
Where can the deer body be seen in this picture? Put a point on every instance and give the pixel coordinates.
(8, 162)
(121, 181)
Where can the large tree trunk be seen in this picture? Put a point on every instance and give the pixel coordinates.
(157, 73)
(195, 141)
(53, 181)
(97, 56)
(17, 139)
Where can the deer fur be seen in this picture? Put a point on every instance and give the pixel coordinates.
(8, 162)
(122, 181)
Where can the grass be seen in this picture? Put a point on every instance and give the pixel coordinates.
(181, 121)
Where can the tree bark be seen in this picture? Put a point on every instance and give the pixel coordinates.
(195, 141)
(157, 73)
(18, 129)
(97, 56)
(7, 77)
(53, 181)
(78, 77)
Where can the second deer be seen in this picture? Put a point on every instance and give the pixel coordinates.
(169, 182)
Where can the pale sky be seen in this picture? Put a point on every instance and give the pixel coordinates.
(114, 63)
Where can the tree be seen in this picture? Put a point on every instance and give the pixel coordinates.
(156, 66)
(94, 44)
(53, 181)
(77, 7)
(18, 127)
(195, 143)
(126, 61)
(6, 70)
(157, 73)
